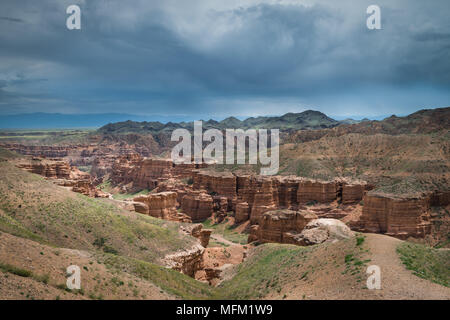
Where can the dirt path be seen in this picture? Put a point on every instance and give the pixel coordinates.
(396, 281)
(219, 238)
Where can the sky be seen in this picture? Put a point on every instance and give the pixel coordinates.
(217, 58)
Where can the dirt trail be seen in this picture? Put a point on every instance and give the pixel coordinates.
(396, 281)
(220, 238)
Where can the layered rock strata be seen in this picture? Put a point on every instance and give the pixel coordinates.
(197, 205)
(161, 205)
(399, 217)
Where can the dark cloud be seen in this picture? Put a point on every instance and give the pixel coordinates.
(215, 58)
(11, 19)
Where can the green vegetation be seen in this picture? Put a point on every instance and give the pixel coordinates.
(34, 208)
(24, 273)
(263, 271)
(169, 280)
(45, 136)
(360, 240)
(6, 154)
(226, 230)
(123, 196)
(106, 186)
(15, 270)
(425, 262)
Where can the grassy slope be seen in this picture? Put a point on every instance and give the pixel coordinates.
(397, 164)
(287, 271)
(227, 231)
(34, 208)
(426, 262)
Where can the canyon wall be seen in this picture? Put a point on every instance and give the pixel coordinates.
(279, 225)
(62, 174)
(399, 217)
(148, 173)
(297, 227)
(197, 205)
(161, 205)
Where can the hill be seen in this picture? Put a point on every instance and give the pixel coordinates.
(290, 121)
(44, 228)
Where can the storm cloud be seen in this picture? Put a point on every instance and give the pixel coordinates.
(213, 59)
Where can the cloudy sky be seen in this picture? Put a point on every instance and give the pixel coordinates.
(216, 58)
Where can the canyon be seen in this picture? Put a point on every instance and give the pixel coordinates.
(63, 174)
(194, 193)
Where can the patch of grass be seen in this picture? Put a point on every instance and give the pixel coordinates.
(15, 270)
(123, 196)
(259, 274)
(169, 280)
(36, 209)
(360, 240)
(226, 230)
(425, 262)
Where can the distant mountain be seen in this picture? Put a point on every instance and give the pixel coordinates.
(349, 121)
(65, 121)
(290, 121)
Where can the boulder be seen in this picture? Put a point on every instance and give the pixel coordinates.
(321, 230)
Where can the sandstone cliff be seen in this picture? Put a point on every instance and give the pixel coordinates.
(399, 217)
(161, 205)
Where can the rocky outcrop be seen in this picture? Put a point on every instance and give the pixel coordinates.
(242, 212)
(63, 174)
(262, 193)
(287, 192)
(197, 205)
(263, 199)
(352, 193)
(279, 225)
(49, 168)
(315, 191)
(398, 217)
(321, 230)
(87, 188)
(148, 173)
(217, 260)
(439, 198)
(299, 228)
(38, 151)
(216, 183)
(161, 205)
(187, 261)
(197, 231)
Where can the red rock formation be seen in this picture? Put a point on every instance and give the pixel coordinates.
(198, 205)
(399, 217)
(216, 260)
(62, 174)
(54, 169)
(147, 173)
(280, 225)
(268, 193)
(322, 192)
(216, 183)
(242, 212)
(287, 192)
(160, 205)
(263, 199)
(352, 193)
(440, 198)
(197, 231)
(187, 261)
